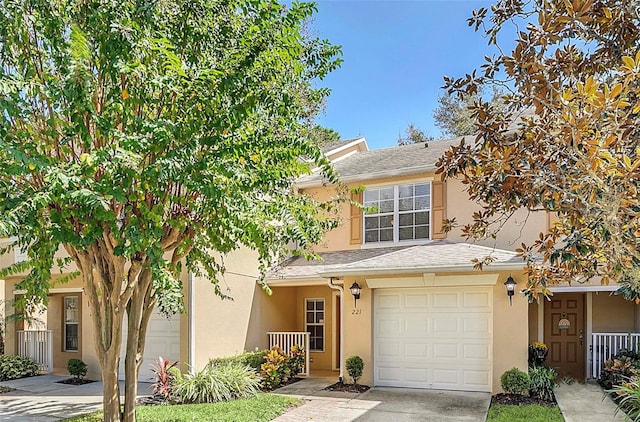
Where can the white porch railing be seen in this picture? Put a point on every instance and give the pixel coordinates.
(38, 345)
(605, 345)
(286, 340)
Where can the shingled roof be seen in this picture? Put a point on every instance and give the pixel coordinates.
(431, 257)
(398, 160)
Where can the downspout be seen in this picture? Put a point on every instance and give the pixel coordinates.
(341, 289)
(192, 330)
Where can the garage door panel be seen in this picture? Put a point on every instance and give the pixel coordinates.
(416, 350)
(163, 339)
(443, 343)
(445, 300)
(477, 300)
(476, 351)
(419, 301)
(416, 327)
(389, 301)
(477, 325)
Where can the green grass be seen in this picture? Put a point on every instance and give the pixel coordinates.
(261, 408)
(524, 413)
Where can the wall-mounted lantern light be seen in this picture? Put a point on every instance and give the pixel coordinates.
(355, 291)
(511, 288)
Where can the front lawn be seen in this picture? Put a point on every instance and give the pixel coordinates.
(524, 413)
(262, 408)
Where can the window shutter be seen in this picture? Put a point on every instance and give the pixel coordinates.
(356, 220)
(438, 209)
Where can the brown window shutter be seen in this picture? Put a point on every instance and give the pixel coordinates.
(356, 220)
(438, 209)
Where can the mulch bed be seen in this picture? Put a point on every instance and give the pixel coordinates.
(347, 388)
(4, 389)
(518, 399)
(75, 381)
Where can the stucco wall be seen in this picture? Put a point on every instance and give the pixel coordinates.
(612, 314)
(524, 227)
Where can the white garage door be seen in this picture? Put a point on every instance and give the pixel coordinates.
(163, 339)
(434, 337)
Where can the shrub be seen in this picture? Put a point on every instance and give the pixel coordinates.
(163, 384)
(220, 382)
(253, 359)
(514, 381)
(296, 360)
(627, 398)
(354, 365)
(13, 367)
(619, 369)
(542, 381)
(275, 370)
(77, 368)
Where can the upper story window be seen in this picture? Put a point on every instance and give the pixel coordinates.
(399, 213)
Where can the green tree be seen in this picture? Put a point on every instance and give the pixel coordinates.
(576, 66)
(413, 135)
(323, 136)
(454, 114)
(142, 136)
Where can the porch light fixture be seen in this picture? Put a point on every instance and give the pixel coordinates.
(511, 288)
(355, 291)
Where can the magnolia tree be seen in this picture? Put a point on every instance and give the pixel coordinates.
(572, 87)
(142, 135)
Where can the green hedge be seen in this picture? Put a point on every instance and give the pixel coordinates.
(13, 367)
(253, 359)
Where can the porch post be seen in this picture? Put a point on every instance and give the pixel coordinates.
(589, 337)
(342, 298)
(49, 335)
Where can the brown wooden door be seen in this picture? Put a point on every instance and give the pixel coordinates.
(564, 333)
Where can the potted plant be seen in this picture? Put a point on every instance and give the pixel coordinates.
(538, 352)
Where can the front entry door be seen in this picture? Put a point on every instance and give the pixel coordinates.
(564, 334)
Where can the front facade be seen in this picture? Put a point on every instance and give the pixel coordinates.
(424, 317)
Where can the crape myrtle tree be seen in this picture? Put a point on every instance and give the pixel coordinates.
(575, 73)
(142, 135)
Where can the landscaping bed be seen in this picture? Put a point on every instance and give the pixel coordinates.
(75, 381)
(4, 389)
(347, 388)
(519, 399)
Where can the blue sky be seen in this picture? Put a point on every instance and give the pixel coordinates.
(395, 55)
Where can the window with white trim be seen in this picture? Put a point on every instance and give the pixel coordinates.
(398, 213)
(71, 323)
(314, 324)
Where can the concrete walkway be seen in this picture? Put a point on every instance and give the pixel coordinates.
(43, 399)
(586, 403)
(382, 404)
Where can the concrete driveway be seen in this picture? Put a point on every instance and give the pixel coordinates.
(383, 404)
(43, 399)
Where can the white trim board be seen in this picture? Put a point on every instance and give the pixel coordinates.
(582, 289)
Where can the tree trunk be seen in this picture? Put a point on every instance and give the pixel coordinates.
(110, 387)
(132, 363)
(139, 312)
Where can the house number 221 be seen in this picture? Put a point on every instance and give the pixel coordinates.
(356, 311)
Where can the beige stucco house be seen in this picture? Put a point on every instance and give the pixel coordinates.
(424, 318)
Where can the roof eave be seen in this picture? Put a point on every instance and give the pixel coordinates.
(419, 270)
(370, 176)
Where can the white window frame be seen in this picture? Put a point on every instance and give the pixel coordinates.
(316, 324)
(396, 215)
(70, 322)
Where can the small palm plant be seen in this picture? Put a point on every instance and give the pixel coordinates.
(164, 377)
